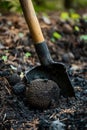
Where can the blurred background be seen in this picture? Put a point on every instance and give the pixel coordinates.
(43, 5)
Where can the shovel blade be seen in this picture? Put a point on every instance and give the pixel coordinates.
(56, 72)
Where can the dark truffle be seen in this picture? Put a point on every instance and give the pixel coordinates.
(41, 93)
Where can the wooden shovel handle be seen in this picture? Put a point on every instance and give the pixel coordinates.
(32, 21)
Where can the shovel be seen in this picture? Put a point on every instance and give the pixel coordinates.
(48, 70)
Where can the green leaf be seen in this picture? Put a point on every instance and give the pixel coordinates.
(64, 15)
(27, 54)
(57, 35)
(4, 57)
(83, 37)
(75, 16)
(76, 28)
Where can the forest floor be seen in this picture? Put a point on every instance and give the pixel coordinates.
(67, 42)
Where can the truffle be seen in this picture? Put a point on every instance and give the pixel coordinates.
(42, 93)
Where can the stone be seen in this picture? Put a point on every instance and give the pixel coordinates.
(67, 28)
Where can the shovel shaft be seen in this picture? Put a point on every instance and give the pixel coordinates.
(35, 30)
(32, 21)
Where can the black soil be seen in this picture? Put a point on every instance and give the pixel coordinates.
(15, 42)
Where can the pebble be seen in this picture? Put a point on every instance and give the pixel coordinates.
(67, 28)
(68, 57)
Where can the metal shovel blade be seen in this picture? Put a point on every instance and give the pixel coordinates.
(56, 72)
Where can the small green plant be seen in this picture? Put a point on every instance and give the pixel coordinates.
(27, 54)
(83, 37)
(70, 15)
(56, 35)
(76, 28)
(64, 15)
(75, 16)
(4, 57)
